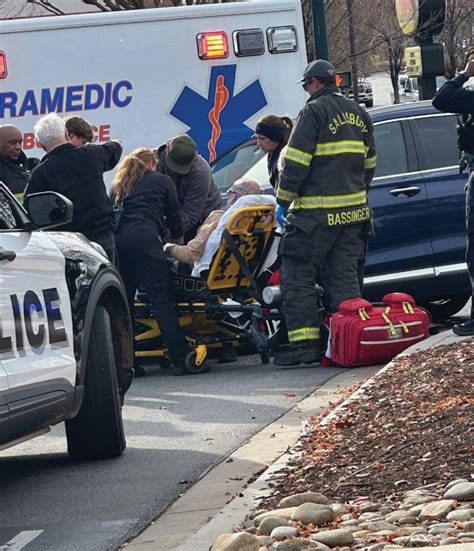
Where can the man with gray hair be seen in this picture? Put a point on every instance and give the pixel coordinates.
(77, 173)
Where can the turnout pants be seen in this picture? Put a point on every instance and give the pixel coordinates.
(327, 255)
(142, 259)
(470, 234)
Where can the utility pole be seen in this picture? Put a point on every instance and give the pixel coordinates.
(319, 30)
(352, 47)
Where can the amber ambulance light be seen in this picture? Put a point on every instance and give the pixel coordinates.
(3, 65)
(213, 45)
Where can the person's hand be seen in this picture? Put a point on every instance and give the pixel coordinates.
(167, 247)
(280, 214)
(469, 70)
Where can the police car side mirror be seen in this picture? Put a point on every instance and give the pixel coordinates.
(48, 209)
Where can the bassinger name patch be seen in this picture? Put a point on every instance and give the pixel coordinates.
(33, 322)
(348, 217)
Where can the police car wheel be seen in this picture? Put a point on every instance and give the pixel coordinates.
(97, 430)
(191, 367)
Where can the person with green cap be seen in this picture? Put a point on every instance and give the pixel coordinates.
(197, 192)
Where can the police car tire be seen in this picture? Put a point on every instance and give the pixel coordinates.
(97, 430)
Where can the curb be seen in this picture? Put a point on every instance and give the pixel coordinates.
(208, 508)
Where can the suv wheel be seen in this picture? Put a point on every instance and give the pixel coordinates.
(97, 430)
(443, 309)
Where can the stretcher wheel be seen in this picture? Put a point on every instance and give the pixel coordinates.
(265, 357)
(192, 367)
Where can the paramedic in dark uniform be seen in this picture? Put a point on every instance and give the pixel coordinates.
(453, 98)
(327, 169)
(150, 209)
(197, 192)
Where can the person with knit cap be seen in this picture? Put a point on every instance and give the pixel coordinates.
(192, 252)
(272, 135)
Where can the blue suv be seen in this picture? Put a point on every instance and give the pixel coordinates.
(417, 197)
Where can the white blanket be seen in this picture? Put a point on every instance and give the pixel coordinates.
(216, 236)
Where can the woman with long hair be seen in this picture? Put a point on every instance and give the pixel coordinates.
(272, 135)
(149, 207)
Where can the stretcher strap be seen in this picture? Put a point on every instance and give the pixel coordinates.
(243, 266)
(408, 308)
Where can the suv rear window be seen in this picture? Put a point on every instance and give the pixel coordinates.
(439, 140)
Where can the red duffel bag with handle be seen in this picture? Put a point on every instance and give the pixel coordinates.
(362, 333)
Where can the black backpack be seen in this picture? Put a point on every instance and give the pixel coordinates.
(465, 128)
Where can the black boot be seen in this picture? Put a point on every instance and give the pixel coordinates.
(464, 329)
(307, 352)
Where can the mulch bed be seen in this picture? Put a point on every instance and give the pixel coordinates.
(412, 427)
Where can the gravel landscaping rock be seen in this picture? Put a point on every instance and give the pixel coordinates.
(270, 523)
(240, 541)
(282, 532)
(282, 513)
(463, 491)
(306, 497)
(334, 538)
(313, 513)
(297, 544)
(436, 510)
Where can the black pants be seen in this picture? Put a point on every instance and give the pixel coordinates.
(470, 234)
(330, 255)
(141, 258)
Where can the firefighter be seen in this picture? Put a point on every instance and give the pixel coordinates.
(322, 199)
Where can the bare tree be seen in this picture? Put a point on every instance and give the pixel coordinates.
(389, 40)
(457, 34)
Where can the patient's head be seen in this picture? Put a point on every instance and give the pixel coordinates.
(241, 187)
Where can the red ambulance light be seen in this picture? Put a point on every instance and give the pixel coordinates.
(3, 65)
(213, 45)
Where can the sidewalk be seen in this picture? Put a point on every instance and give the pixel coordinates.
(197, 519)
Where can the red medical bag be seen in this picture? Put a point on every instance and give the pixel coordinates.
(365, 334)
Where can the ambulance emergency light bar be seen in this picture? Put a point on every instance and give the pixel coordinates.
(3, 65)
(247, 42)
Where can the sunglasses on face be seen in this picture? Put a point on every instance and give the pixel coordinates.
(306, 82)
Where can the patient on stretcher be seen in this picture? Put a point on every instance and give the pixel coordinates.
(193, 251)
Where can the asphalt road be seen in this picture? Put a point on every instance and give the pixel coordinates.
(176, 427)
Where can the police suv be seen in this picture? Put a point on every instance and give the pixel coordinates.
(66, 349)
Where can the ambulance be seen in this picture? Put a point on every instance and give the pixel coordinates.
(144, 76)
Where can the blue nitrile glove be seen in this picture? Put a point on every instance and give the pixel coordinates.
(280, 214)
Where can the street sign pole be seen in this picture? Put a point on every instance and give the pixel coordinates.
(426, 84)
(319, 30)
